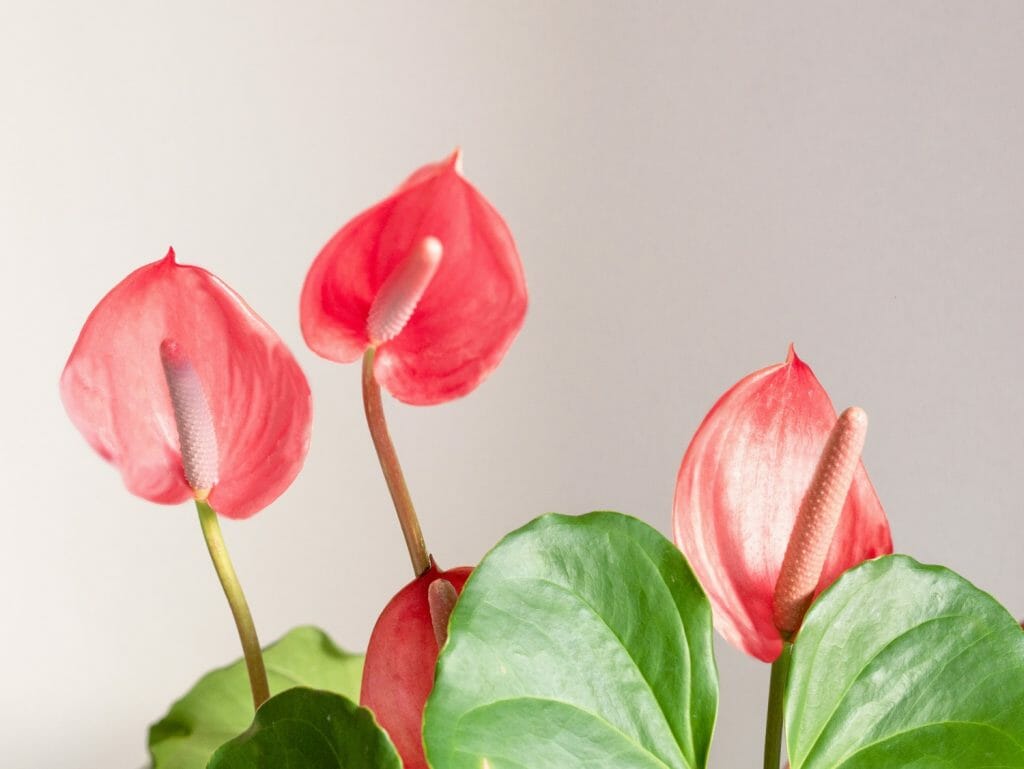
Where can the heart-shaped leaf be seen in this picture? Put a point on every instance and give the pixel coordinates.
(577, 642)
(904, 665)
(309, 729)
(219, 706)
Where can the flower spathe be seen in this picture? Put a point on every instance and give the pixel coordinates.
(467, 312)
(177, 326)
(739, 489)
(398, 674)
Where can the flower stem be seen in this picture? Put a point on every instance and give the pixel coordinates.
(236, 600)
(392, 470)
(773, 725)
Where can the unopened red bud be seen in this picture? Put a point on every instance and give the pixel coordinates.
(817, 520)
(400, 659)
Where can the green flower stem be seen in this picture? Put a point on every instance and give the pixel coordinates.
(776, 691)
(392, 470)
(236, 600)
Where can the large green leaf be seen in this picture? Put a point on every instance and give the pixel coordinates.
(904, 665)
(577, 642)
(219, 706)
(309, 729)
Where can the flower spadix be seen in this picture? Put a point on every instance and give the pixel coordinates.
(441, 598)
(430, 277)
(817, 519)
(740, 488)
(197, 436)
(177, 382)
(401, 292)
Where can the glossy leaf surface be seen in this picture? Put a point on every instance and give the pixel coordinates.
(219, 707)
(577, 642)
(905, 665)
(309, 729)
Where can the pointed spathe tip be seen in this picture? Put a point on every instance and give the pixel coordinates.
(455, 160)
(169, 257)
(794, 361)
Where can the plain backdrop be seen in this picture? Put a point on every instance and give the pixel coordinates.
(692, 187)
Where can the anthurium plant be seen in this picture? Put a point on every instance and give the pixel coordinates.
(577, 641)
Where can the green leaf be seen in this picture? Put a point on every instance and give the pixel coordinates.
(219, 706)
(309, 729)
(904, 665)
(577, 642)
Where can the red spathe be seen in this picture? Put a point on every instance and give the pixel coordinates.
(740, 487)
(467, 317)
(400, 658)
(115, 391)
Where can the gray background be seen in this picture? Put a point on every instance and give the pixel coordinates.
(692, 186)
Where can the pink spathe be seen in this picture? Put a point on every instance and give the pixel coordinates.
(740, 487)
(117, 392)
(464, 318)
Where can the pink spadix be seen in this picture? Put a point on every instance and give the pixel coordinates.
(237, 420)
(402, 290)
(192, 416)
(817, 520)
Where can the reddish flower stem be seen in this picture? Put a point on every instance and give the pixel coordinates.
(236, 600)
(392, 470)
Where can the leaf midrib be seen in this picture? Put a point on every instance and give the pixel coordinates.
(596, 716)
(846, 690)
(643, 676)
(850, 756)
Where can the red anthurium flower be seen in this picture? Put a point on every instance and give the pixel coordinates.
(401, 656)
(430, 277)
(237, 391)
(740, 487)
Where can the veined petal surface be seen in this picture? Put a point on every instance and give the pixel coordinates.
(468, 315)
(739, 489)
(115, 391)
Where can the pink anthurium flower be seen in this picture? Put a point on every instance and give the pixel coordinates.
(740, 487)
(430, 277)
(238, 391)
